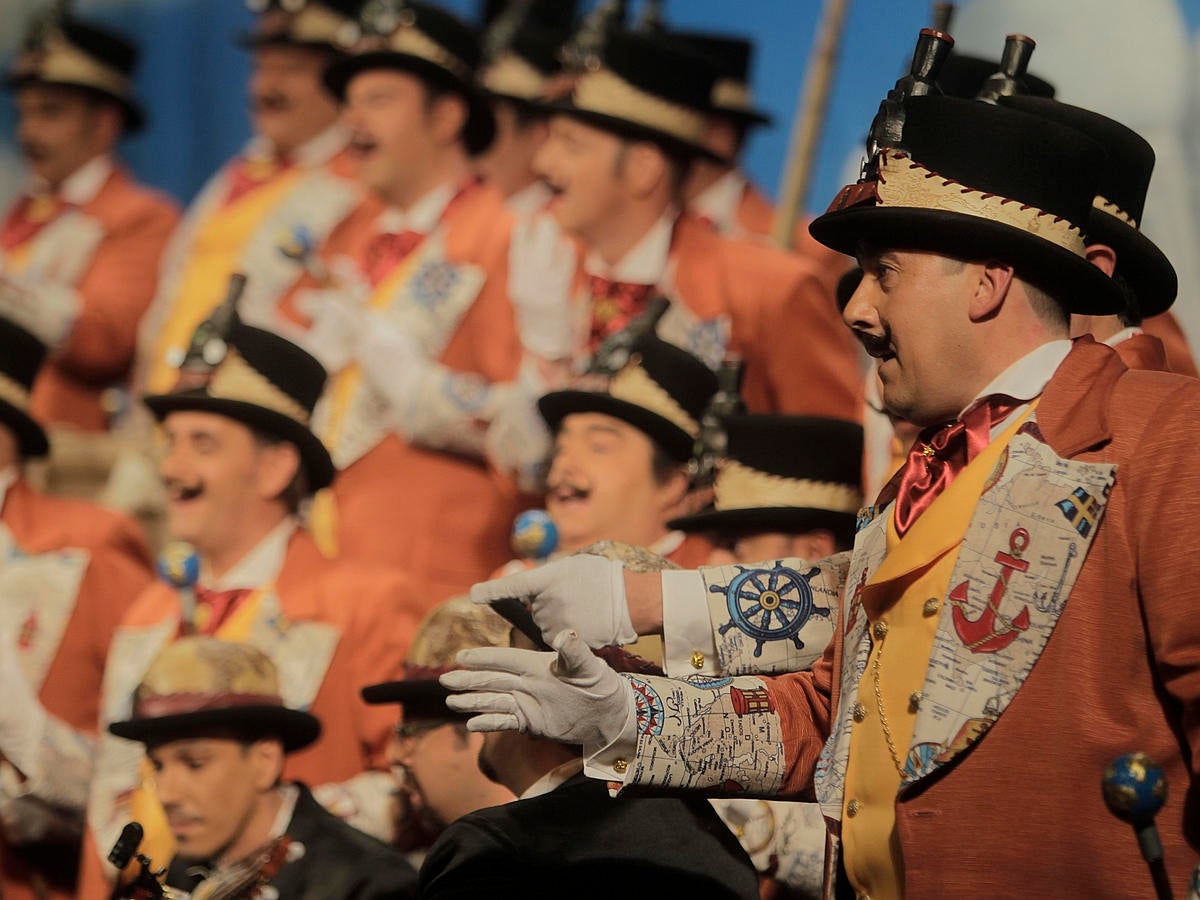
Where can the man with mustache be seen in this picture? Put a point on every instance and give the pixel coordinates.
(69, 570)
(294, 176)
(80, 247)
(217, 734)
(1013, 595)
(240, 459)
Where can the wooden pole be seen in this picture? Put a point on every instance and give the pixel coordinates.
(810, 119)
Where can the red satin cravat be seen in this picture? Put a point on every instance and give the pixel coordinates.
(252, 172)
(221, 605)
(938, 455)
(386, 251)
(614, 305)
(29, 216)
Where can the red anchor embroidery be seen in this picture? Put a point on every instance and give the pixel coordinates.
(992, 631)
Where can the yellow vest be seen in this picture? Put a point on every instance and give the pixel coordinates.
(910, 586)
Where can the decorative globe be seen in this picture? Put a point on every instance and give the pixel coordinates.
(179, 565)
(1135, 788)
(534, 535)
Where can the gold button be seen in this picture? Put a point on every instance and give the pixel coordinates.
(697, 660)
(859, 712)
(932, 605)
(914, 700)
(880, 630)
(852, 808)
(620, 766)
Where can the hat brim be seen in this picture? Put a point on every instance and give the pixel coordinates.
(1139, 261)
(557, 405)
(746, 118)
(318, 465)
(421, 698)
(135, 114)
(1079, 286)
(295, 728)
(782, 519)
(248, 40)
(31, 437)
(480, 129)
(634, 131)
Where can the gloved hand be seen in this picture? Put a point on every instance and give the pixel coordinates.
(583, 594)
(22, 717)
(570, 695)
(45, 309)
(393, 364)
(338, 323)
(542, 264)
(518, 443)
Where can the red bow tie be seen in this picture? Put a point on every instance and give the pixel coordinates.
(938, 455)
(221, 605)
(387, 250)
(614, 305)
(30, 215)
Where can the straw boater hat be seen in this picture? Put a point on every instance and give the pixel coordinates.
(647, 88)
(424, 41)
(732, 55)
(261, 380)
(70, 53)
(198, 685)
(976, 180)
(1120, 200)
(662, 391)
(788, 474)
(21, 356)
(316, 24)
(457, 624)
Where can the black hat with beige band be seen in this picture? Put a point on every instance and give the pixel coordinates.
(314, 24)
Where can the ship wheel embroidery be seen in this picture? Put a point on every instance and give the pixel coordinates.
(992, 631)
(770, 604)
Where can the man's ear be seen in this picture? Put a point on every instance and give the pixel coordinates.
(990, 284)
(645, 168)
(448, 118)
(267, 758)
(278, 465)
(1103, 257)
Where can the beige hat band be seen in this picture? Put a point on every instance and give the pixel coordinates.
(728, 93)
(906, 184)
(60, 61)
(14, 393)
(155, 706)
(316, 24)
(607, 93)
(236, 379)
(740, 487)
(412, 41)
(514, 77)
(633, 384)
(1107, 206)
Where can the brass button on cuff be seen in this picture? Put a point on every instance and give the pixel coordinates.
(620, 766)
(697, 660)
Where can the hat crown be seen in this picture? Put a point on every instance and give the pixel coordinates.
(684, 377)
(384, 18)
(23, 354)
(731, 55)
(207, 673)
(457, 624)
(813, 448)
(660, 66)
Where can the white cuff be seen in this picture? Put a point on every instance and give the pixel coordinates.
(688, 644)
(613, 761)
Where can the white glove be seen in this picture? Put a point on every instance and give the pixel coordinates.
(570, 696)
(22, 717)
(338, 323)
(518, 443)
(583, 594)
(541, 269)
(44, 309)
(392, 363)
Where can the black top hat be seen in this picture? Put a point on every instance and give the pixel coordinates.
(21, 356)
(318, 24)
(265, 382)
(522, 71)
(74, 54)
(427, 42)
(977, 180)
(558, 15)
(1120, 201)
(787, 474)
(662, 391)
(649, 87)
(200, 684)
(732, 55)
(963, 76)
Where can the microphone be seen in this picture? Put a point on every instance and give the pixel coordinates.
(179, 566)
(126, 846)
(1135, 789)
(534, 534)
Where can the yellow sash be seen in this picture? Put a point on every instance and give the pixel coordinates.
(158, 843)
(215, 252)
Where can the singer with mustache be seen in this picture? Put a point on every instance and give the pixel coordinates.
(239, 461)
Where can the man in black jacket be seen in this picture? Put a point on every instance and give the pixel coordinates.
(216, 732)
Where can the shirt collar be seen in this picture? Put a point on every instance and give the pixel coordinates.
(530, 199)
(261, 566)
(1028, 376)
(423, 216)
(1123, 335)
(668, 543)
(719, 201)
(81, 186)
(8, 477)
(646, 262)
(314, 152)
(553, 779)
